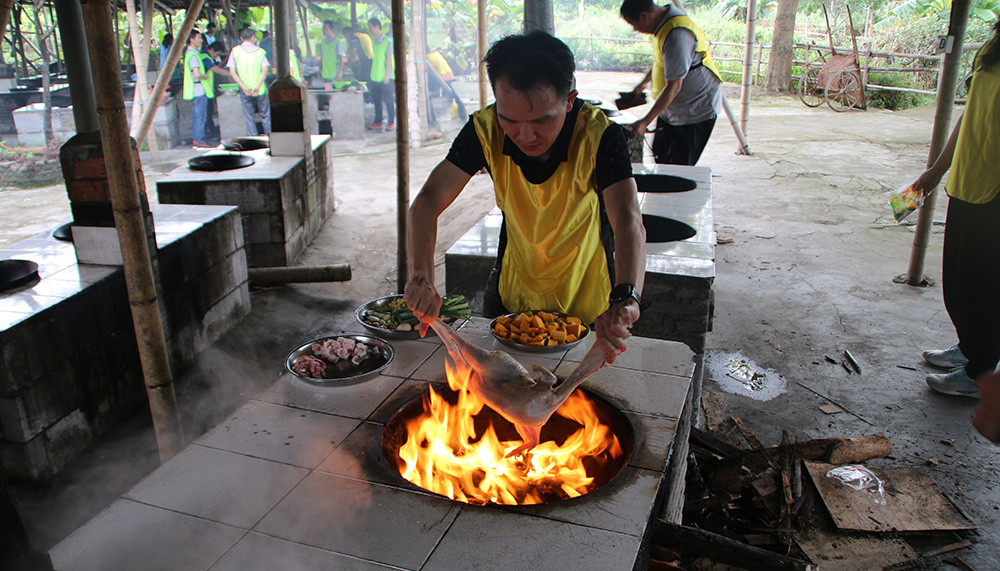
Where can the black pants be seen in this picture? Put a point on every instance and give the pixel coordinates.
(970, 279)
(681, 144)
(384, 93)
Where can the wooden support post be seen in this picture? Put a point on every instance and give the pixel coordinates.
(747, 65)
(127, 206)
(481, 49)
(402, 142)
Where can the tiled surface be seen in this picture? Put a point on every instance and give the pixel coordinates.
(62, 277)
(295, 479)
(265, 166)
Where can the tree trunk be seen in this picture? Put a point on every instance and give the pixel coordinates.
(779, 64)
(43, 50)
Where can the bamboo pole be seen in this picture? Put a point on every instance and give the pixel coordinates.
(402, 141)
(942, 129)
(163, 78)
(127, 206)
(5, 7)
(747, 65)
(138, 47)
(481, 49)
(418, 42)
(305, 30)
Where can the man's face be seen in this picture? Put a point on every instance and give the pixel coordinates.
(532, 120)
(645, 23)
(327, 31)
(195, 41)
(374, 30)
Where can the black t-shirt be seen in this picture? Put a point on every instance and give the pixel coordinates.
(612, 165)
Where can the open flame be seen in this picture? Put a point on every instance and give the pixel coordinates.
(448, 452)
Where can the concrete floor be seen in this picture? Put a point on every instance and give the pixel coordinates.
(808, 273)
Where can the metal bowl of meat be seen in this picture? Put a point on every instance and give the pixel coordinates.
(390, 318)
(539, 331)
(339, 359)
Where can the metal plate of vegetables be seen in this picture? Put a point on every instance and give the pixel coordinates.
(539, 331)
(390, 318)
(339, 359)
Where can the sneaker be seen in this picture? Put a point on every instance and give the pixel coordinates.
(200, 145)
(374, 126)
(390, 126)
(948, 358)
(955, 382)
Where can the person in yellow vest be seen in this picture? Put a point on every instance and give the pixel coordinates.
(209, 58)
(249, 65)
(685, 82)
(332, 55)
(198, 88)
(359, 54)
(443, 85)
(572, 238)
(293, 63)
(971, 256)
(383, 73)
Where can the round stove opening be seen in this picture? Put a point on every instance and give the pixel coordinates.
(443, 444)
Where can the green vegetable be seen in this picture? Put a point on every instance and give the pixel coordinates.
(452, 307)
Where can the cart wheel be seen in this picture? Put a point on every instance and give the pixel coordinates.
(843, 91)
(810, 91)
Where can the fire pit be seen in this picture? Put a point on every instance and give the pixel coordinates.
(447, 442)
(17, 273)
(220, 162)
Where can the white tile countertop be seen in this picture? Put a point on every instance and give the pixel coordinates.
(295, 479)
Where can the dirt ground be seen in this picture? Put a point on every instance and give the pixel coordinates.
(805, 266)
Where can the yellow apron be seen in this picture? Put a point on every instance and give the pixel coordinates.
(660, 38)
(974, 175)
(554, 259)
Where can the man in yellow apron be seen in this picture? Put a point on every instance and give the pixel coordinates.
(248, 65)
(685, 82)
(572, 238)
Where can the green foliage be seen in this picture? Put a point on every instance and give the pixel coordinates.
(895, 100)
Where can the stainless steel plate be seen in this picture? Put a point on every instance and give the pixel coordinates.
(345, 371)
(379, 303)
(536, 348)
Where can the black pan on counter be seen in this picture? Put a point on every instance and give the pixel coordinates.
(220, 162)
(16, 273)
(245, 143)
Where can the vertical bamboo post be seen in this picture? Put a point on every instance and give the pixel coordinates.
(402, 141)
(481, 49)
(126, 204)
(747, 65)
(418, 43)
(138, 48)
(5, 7)
(163, 78)
(950, 66)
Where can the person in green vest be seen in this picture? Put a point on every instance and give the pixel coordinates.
(248, 65)
(210, 59)
(198, 89)
(685, 82)
(332, 56)
(572, 238)
(293, 63)
(383, 74)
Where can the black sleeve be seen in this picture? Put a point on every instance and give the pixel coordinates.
(613, 160)
(466, 151)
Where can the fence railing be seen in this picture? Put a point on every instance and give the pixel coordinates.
(618, 54)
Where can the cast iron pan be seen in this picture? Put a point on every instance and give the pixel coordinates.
(664, 183)
(16, 273)
(220, 162)
(245, 144)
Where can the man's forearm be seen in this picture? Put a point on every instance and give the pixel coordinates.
(630, 255)
(664, 99)
(421, 238)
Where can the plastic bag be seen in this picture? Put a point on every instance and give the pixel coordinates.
(860, 478)
(904, 200)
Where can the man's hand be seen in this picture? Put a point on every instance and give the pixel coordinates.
(423, 300)
(987, 417)
(613, 327)
(638, 129)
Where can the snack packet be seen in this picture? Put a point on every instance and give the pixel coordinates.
(904, 200)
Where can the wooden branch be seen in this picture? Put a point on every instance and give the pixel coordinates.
(724, 549)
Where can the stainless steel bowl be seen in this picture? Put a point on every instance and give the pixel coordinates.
(382, 302)
(343, 372)
(536, 348)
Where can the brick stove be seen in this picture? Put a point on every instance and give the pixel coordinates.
(295, 479)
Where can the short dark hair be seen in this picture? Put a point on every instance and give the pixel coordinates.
(529, 61)
(211, 25)
(328, 24)
(194, 33)
(247, 33)
(218, 46)
(375, 22)
(633, 9)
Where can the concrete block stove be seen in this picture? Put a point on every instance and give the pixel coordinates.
(295, 479)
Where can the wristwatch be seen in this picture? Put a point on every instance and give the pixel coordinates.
(624, 292)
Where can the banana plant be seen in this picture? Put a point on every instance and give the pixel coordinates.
(986, 10)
